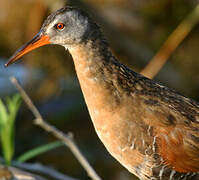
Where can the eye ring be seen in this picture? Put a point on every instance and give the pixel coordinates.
(60, 26)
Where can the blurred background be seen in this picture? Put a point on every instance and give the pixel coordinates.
(136, 29)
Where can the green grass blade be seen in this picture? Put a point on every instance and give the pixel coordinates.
(38, 150)
(8, 112)
(3, 114)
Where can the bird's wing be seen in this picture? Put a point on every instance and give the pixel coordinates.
(175, 122)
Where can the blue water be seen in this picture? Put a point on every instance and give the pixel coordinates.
(17, 70)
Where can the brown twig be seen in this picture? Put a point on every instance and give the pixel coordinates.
(41, 169)
(67, 139)
(17, 174)
(173, 41)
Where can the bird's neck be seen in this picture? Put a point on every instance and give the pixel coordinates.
(90, 61)
(97, 74)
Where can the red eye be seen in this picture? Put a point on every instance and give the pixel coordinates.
(59, 26)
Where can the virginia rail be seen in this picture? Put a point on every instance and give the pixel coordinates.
(150, 129)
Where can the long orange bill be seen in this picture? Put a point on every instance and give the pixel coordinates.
(37, 41)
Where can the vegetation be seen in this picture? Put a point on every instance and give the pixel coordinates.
(8, 113)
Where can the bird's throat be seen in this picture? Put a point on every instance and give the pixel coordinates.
(94, 76)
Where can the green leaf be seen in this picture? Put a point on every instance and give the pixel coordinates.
(8, 112)
(3, 114)
(38, 150)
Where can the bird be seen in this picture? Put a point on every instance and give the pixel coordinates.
(150, 129)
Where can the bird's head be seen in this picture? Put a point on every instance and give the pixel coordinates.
(67, 27)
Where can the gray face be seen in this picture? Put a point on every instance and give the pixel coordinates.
(66, 27)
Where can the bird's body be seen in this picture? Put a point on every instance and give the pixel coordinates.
(147, 127)
(150, 129)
